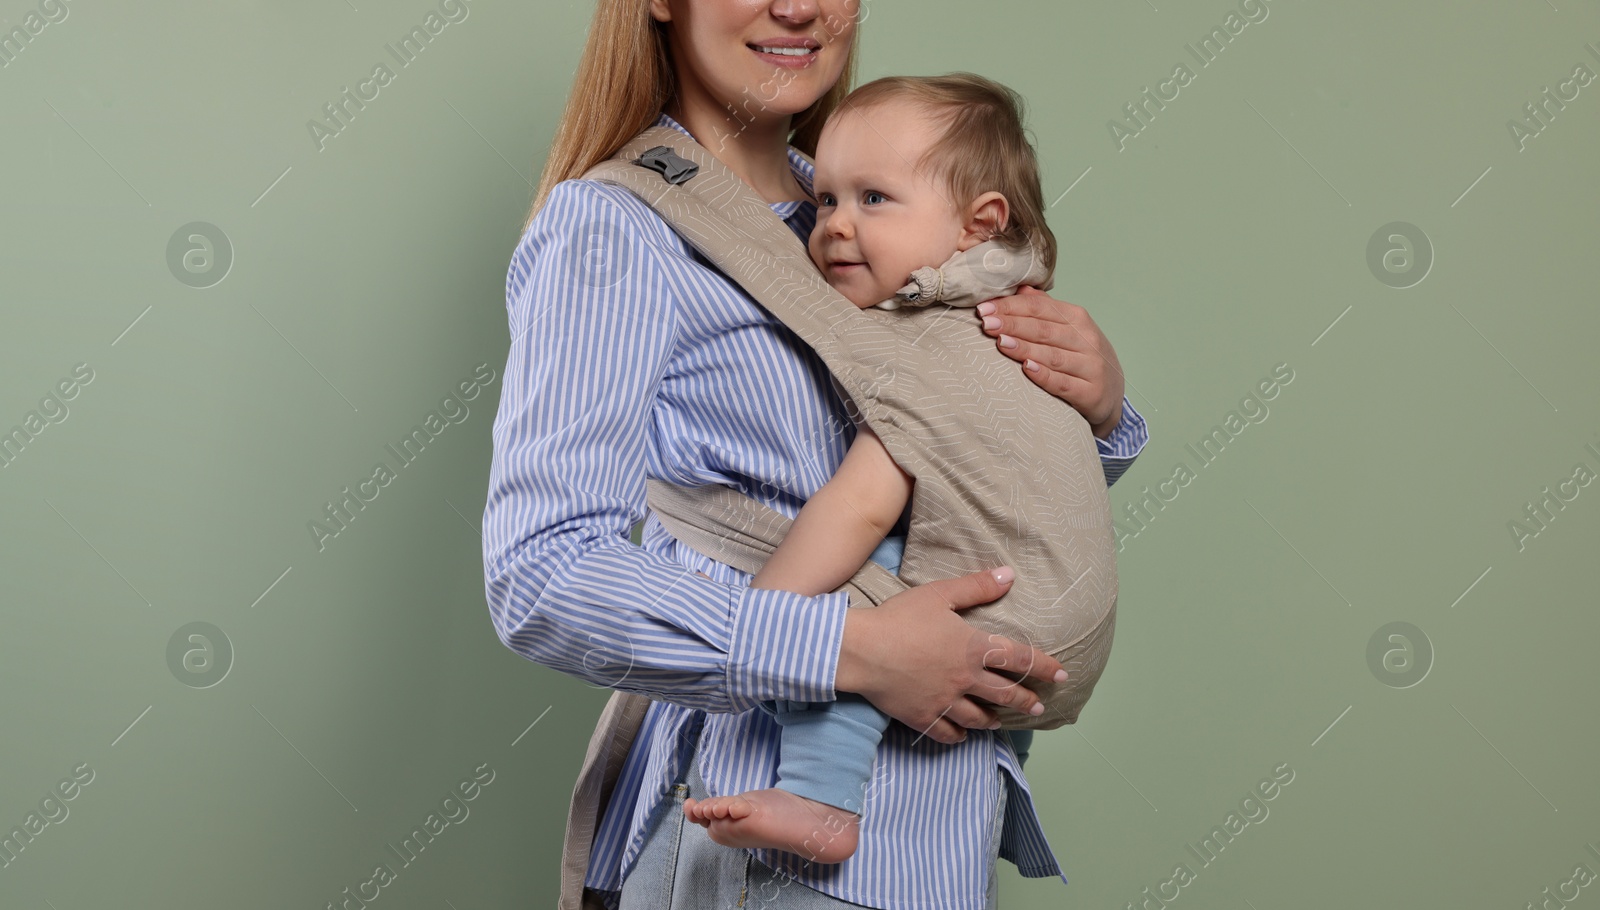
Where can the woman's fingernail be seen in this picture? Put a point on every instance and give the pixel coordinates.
(1061, 676)
(1032, 367)
(991, 322)
(1004, 575)
(994, 724)
(1037, 709)
(985, 308)
(1006, 341)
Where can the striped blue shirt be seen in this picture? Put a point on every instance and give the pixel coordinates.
(645, 361)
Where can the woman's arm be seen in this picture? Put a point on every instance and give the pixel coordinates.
(841, 524)
(1123, 444)
(592, 328)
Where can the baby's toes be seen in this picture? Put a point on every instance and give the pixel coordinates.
(694, 810)
(713, 807)
(736, 807)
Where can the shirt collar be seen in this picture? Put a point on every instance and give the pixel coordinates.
(803, 171)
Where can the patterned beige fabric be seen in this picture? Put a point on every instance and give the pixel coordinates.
(1005, 472)
(608, 749)
(968, 278)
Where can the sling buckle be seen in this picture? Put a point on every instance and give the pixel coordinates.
(674, 170)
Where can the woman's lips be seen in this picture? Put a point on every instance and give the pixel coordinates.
(791, 61)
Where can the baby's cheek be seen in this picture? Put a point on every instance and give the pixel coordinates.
(813, 250)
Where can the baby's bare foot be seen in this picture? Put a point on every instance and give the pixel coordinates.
(778, 820)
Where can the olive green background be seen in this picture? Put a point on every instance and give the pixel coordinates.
(365, 680)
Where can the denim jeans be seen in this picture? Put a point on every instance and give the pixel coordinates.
(682, 868)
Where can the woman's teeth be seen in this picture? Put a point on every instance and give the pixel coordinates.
(786, 51)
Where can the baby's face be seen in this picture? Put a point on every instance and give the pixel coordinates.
(877, 221)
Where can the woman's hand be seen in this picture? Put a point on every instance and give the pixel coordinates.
(1061, 350)
(919, 662)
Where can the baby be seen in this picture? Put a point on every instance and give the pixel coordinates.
(893, 202)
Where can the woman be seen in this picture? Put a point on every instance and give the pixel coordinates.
(632, 357)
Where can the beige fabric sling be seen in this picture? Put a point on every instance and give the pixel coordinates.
(990, 269)
(1006, 474)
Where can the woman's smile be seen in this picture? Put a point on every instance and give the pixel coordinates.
(791, 53)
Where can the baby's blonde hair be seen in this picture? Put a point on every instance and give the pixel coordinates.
(983, 146)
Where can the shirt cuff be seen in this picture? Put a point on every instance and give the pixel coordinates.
(784, 646)
(1126, 441)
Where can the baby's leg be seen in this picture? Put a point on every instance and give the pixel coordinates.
(825, 762)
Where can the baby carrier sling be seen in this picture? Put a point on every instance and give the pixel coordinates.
(1006, 474)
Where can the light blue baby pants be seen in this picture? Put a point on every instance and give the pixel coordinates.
(828, 746)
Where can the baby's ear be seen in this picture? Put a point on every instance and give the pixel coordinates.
(987, 216)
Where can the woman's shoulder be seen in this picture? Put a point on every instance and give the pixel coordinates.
(592, 205)
(600, 234)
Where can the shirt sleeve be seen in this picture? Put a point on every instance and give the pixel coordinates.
(1126, 441)
(592, 330)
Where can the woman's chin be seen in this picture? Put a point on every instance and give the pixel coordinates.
(797, 91)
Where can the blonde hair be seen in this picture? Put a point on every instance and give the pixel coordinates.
(983, 147)
(625, 78)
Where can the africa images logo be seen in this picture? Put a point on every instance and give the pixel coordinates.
(340, 512)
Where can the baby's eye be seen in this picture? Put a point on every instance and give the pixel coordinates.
(872, 193)
(824, 200)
